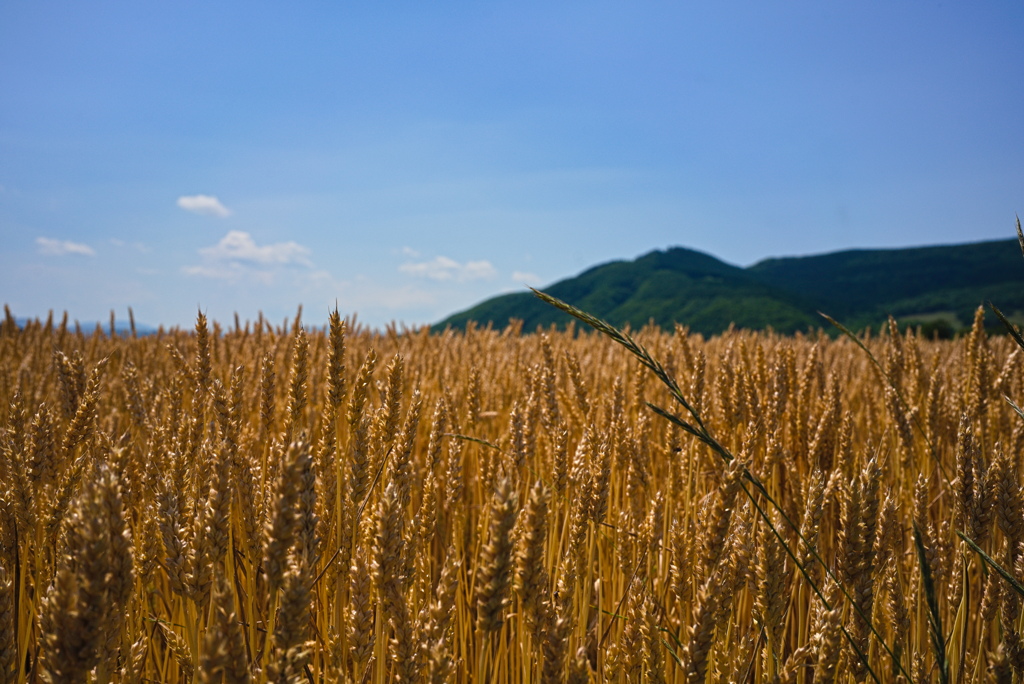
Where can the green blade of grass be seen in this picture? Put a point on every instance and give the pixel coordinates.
(475, 440)
(1010, 327)
(934, 618)
(1020, 412)
(1020, 237)
(679, 422)
(1017, 586)
(627, 341)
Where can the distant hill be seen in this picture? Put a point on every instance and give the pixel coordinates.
(122, 328)
(938, 287)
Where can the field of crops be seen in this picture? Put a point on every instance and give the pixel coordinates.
(310, 502)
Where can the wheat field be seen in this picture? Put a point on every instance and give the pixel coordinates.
(323, 503)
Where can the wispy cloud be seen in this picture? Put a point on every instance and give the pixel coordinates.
(51, 247)
(525, 277)
(442, 268)
(207, 205)
(238, 255)
(224, 272)
(137, 246)
(238, 245)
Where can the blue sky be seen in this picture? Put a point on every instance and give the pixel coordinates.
(410, 159)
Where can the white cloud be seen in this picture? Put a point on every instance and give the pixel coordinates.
(219, 272)
(478, 269)
(232, 272)
(410, 252)
(238, 246)
(442, 268)
(207, 205)
(237, 255)
(525, 277)
(51, 247)
(137, 246)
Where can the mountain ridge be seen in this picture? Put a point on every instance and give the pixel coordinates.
(938, 286)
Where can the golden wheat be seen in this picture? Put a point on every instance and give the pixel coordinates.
(496, 506)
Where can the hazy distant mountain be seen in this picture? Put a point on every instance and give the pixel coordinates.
(938, 287)
(122, 328)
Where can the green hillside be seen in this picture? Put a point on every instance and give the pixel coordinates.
(675, 285)
(862, 287)
(939, 286)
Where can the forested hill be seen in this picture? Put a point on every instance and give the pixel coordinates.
(938, 287)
